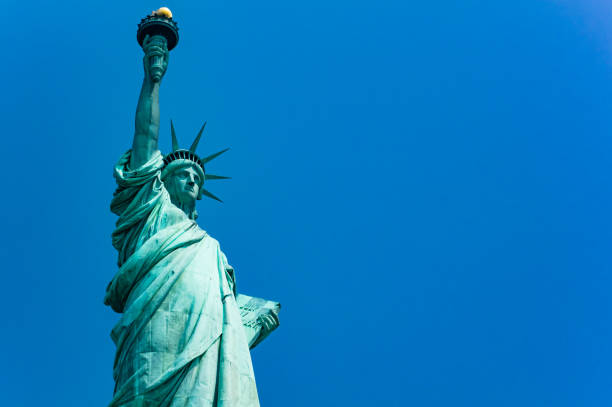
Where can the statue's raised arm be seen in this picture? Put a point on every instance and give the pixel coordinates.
(146, 132)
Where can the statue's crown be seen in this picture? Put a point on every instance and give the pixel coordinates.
(180, 157)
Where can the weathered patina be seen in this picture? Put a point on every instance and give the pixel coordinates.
(183, 339)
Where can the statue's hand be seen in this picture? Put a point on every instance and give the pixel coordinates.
(156, 57)
(269, 322)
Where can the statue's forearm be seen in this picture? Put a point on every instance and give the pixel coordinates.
(146, 131)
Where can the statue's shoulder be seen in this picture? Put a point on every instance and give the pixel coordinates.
(212, 240)
(209, 239)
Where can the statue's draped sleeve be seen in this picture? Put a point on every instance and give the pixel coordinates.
(142, 204)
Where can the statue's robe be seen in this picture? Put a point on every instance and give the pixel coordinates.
(180, 340)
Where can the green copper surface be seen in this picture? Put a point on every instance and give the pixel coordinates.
(184, 335)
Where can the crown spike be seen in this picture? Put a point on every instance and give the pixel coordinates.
(212, 176)
(213, 156)
(197, 139)
(208, 194)
(175, 144)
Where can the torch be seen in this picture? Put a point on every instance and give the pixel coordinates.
(161, 28)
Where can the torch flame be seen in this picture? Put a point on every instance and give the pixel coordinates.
(162, 12)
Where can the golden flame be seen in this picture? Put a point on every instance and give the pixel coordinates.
(163, 12)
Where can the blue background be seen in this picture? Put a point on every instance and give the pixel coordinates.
(425, 186)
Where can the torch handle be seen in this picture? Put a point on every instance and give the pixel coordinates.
(156, 61)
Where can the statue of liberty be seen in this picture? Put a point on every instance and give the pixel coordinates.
(184, 334)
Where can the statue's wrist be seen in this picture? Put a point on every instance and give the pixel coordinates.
(149, 84)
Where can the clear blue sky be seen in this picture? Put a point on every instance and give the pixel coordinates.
(424, 186)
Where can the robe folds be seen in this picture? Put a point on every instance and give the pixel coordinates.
(180, 339)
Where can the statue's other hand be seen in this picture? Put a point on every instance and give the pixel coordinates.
(269, 323)
(156, 57)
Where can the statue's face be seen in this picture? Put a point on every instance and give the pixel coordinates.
(184, 185)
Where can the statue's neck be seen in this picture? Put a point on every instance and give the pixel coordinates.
(187, 207)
